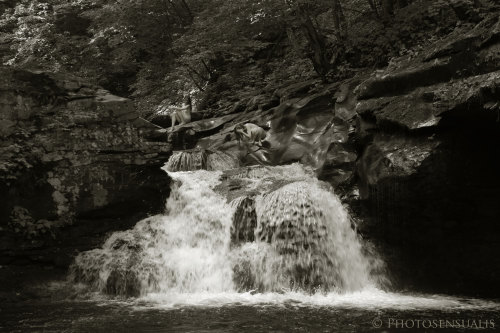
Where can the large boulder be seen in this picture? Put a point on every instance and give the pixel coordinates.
(313, 129)
(426, 106)
(73, 165)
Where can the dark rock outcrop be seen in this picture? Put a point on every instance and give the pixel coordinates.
(73, 166)
(303, 129)
(428, 168)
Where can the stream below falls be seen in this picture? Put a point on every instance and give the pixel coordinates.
(264, 249)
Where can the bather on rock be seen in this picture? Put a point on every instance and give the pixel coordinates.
(251, 132)
(183, 113)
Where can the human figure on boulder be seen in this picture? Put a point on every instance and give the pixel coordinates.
(182, 114)
(251, 132)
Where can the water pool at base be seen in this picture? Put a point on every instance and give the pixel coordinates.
(366, 311)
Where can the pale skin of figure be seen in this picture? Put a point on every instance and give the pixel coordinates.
(253, 133)
(181, 114)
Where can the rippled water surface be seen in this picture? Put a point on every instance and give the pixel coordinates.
(287, 312)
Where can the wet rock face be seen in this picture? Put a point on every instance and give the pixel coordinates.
(428, 167)
(71, 155)
(457, 74)
(313, 129)
(244, 221)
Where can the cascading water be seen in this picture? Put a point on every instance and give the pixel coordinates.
(199, 159)
(185, 250)
(187, 160)
(310, 232)
(301, 240)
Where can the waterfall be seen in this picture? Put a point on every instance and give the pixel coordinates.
(187, 160)
(185, 250)
(201, 159)
(261, 228)
(312, 243)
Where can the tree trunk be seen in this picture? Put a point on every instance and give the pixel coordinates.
(373, 6)
(293, 40)
(388, 7)
(336, 19)
(317, 44)
(339, 20)
(188, 10)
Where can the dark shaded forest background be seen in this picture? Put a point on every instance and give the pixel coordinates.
(224, 53)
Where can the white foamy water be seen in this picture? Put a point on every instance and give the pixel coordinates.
(305, 252)
(185, 250)
(198, 159)
(187, 160)
(303, 241)
(370, 298)
(311, 231)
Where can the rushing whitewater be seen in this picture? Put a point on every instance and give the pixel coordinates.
(302, 239)
(311, 233)
(199, 159)
(185, 250)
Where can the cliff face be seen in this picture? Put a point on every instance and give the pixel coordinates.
(73, 165)
(428, 169)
